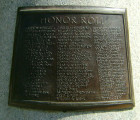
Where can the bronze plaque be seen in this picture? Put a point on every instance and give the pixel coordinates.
(71, 58)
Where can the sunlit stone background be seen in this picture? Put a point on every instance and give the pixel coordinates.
(8, 10)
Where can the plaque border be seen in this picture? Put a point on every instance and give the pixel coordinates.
(99, 105)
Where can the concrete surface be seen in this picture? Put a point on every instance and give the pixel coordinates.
(7, 27)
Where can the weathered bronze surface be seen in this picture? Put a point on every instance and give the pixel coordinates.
(71, 58)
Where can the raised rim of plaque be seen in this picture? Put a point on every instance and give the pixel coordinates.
(95, 105)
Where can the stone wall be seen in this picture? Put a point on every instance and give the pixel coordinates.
(8, 10)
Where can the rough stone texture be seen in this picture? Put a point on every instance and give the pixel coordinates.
(8, 10)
